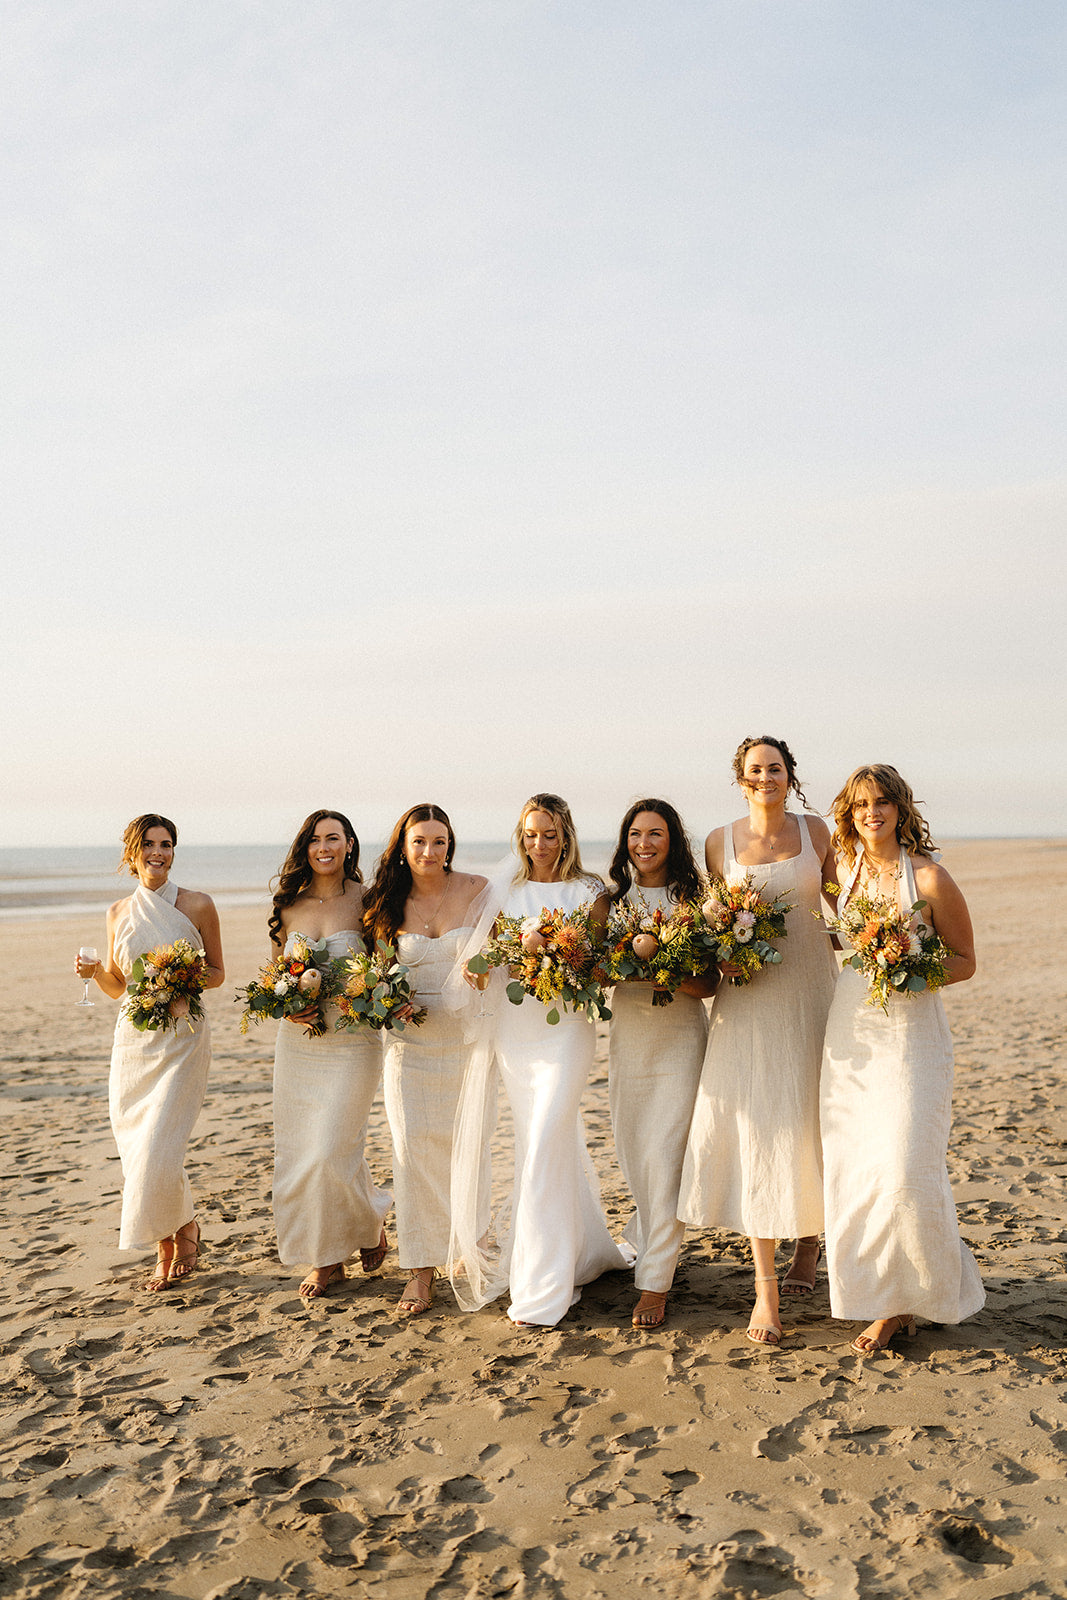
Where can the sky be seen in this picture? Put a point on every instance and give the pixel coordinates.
(449, 401)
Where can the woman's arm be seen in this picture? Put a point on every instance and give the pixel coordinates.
(946, 912)
(107, 975)
(714, 852)
(200, 909)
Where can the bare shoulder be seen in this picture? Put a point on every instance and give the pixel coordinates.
(194, 903)
(114, 911)
(931, 878)
(715, 850)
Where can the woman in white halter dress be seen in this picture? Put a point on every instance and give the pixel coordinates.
(550, 1235)
(656, 1056)
(753, 1162)
(326, 1205)
(423, 907)
(892, 1240)
(158, 1077)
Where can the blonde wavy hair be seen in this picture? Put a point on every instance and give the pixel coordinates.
(912, 831)
(570, 857)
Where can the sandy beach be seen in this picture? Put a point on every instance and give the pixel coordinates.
(225, 1441)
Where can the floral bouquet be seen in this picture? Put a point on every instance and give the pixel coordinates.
(659, 949)
(165, 987)
(307, 976)
(739, 925)
(895, 949)
(375, 988)
(552, 957)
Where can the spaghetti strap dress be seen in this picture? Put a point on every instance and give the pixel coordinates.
(753, 1163)
(892, 1238)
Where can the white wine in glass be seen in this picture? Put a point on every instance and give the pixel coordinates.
(87, 953)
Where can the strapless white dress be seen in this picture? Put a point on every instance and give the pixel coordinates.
(656, 1056)
(423, 1076)
(326, 1205)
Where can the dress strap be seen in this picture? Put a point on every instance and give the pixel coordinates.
(850, 882)
(729, 860)
(906, 885)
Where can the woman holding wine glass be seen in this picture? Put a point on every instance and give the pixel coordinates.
(326, 1205)
(158, 1077)
(552, 1236)
(656, 1054)
(892, 1240)
(753, 1161)
(422, 906)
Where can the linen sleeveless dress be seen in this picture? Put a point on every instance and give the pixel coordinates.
(892, 1238)
(657, 1053)
(559, 1235)
(753, 1162)
(156, 1086)
(326, 1206)
(423, 1077)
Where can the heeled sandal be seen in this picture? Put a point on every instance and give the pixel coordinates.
(864, 1344)
(792, 1283)
(370, 1260)
(413, 1305)
(755, 1328)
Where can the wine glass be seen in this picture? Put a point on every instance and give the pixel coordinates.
(87, 953)
(481, 984)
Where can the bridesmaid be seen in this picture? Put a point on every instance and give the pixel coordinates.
(892, 1240)
(558, 1237)
(420, 904)
(325, 1203)
(158, 1078)
(753, 1162)
(656, 1055)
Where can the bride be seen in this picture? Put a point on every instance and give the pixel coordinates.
(555, 1238)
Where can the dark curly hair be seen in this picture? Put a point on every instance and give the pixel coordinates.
(295, 876)
(383, 903)
(134, 836)
(682, 875)
(787, 756)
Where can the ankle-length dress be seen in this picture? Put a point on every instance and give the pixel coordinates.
(326, 1205)
(753, 1162)
(157, 1084)
(657, 1053)
(549, 1235)
(892, 1238)
(423, 1076)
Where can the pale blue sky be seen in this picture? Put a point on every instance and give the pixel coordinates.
(450, 400)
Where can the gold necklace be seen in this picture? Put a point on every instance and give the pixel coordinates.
(437, 908)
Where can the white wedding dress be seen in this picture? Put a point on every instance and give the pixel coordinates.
(326, 1205)
(892, 1238)
(550, 1237)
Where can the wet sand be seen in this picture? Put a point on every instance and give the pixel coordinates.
(226, 1440)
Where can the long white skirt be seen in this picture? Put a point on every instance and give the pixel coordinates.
(326, 1205)
(892, 1239)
